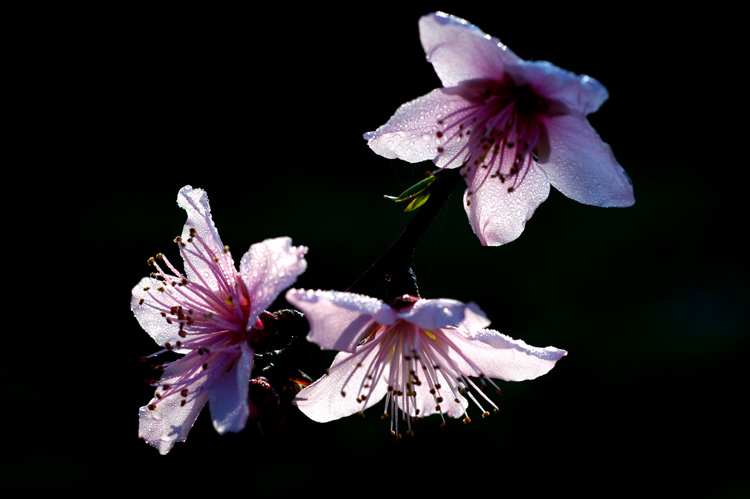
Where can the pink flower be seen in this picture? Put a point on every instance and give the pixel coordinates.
(208, 313)
(418, 354)
(512, 127)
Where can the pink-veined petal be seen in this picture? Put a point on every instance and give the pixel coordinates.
(268, 268)
(323, 401)
(498, 216)
(583, 167)
(171, 419)
(460, 51)
(496, 355)
(339, 320)
(227, 395)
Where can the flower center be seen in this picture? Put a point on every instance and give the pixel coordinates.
(419, 373)
(498, 132)
(209, 307)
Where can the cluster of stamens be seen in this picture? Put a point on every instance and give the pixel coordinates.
(209, 309)
(497, 133)
(413, 361)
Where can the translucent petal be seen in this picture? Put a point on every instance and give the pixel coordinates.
(323, 400)
(438, 313)
(460, 51)
(583, 167)
(227, 395)
(411, 133)
(581, 94)
(195, 203)
(148, 312)
(268, 268)
(171, 420)
(498, 216)
(339, 320)
(496, 355)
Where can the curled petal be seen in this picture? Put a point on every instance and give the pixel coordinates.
(460, 51)
(339, 320)
(583, 167)
(497, 216)
(227, 396)
(268, 268)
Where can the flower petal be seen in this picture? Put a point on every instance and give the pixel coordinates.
(439, 313)
(148, 313)
(496, 355)
(195, 203)
(268, 268)
(583, 167)
(453, 404)
(498, 216)
(411, 133)
(227, 395)
(581, 94)
(323, 401)
(460, 51)
(171, 420)
(339, 320)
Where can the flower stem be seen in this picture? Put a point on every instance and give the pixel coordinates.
(394, 267)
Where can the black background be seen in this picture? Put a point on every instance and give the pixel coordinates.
(118, 108)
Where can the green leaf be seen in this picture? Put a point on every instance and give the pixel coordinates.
(413, 191)
(418, 201)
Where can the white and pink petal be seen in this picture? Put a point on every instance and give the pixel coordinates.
(340, 320)
(583, 167)
(267, 269)
(437, 313)
(580, 94)
(167, 420)
(492, 354)
(228, 394)
(336, 395)
(149, 304)
(411, 134)
(460, 51)
(498, 216)
(197, 268)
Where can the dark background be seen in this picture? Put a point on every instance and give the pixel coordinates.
(265, 109)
